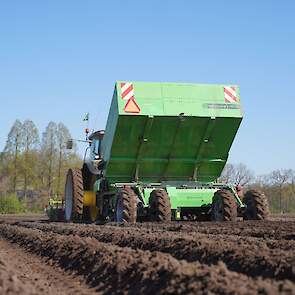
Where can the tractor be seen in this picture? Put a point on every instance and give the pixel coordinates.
(160, 156)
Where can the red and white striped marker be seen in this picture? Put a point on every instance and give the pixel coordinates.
(127, 93)
(230, 94)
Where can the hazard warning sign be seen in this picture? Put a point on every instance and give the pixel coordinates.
(127, 93)
(230, 94)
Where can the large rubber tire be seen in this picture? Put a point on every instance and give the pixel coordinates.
(160, 206)
(224, 206)
(256, 205)
(74, 195)
(126, 206)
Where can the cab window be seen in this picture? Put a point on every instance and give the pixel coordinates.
(95, 144)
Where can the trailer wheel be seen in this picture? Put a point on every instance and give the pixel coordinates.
(126, 206)
(224, 206)
(256, 205)
(74, 195)
(160, 206)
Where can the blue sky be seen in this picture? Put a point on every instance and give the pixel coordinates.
(60, 59)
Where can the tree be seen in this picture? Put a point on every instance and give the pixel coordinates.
(27, 164)
(49, 152)
(292, 177)
(63, 135)
(237, 174)
(13, 148)
(30, 141)
(4, 179)
(279, 188)
(280, 178)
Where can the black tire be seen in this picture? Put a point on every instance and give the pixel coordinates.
(74, 195)
(126, 206)
(224, 206)
(160, 206)
(256, 205)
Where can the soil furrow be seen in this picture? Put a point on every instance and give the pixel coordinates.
(25, 273)
(253, 258)
(276, 230)
(114, 269)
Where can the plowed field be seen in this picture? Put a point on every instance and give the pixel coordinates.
(147, 258)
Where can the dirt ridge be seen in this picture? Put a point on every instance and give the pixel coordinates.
(253, 259)
(111, 268)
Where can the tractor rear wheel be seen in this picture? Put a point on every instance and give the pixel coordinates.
(160, 206)
(126, 206)
(256, 205)
(224, 206)
(74, 195)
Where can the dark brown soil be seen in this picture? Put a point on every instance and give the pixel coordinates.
(24, 273)
(250, 257)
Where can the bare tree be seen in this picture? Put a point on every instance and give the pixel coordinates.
(31, 141)
(280, 178)
(63, 135)
(4, 179)
(49, 152)
(237, 174)
(292, 185)
(13, 148)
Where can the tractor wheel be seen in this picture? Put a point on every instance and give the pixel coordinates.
(256, 205)
(74, 195)
(160, 206)
(224, 206)
(126, 206)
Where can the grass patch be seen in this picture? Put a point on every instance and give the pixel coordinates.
(10, 204)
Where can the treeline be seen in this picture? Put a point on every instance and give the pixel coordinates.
(278, 185)
(33, 163)
(34, 166)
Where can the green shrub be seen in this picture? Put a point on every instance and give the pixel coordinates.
(11, 204)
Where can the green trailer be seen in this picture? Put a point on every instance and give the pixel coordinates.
(159, 159)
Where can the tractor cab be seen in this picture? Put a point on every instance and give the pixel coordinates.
(95, 139)
(93, 157)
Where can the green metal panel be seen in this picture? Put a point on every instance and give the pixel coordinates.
(110, 130)
(170, 99)
(182, 132)
(180, 198)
